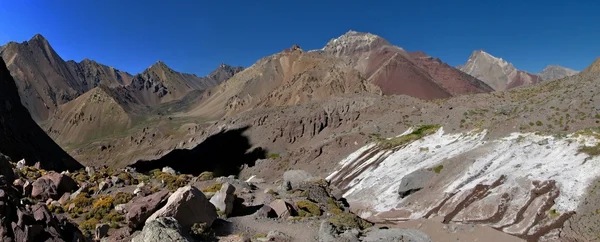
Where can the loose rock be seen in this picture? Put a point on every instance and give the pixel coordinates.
(188, 205)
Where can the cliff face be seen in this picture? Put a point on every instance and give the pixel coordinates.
(21, 137)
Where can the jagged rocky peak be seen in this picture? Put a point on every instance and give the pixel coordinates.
(354, 41)
(553, 72)
(482, 57)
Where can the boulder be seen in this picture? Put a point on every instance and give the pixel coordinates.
(265, 212)
(391, 235)
(62, 182)
(161, 230)
(103, 186)
(44, 189)
(188, 205)
(297, 177)
(140, 208)
(116, 181)
(169, 170)
(315, 192)
(224, 198)
(414, 182)
(282, 208)
(101, 231)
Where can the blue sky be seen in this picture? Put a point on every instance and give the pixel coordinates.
(196, 36)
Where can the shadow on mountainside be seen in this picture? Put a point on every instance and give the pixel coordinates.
(223, 153)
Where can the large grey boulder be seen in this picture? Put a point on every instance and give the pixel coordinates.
(328, 233)
(44, 189)
(297, 177)
(224, 199)
(282, 208)
(62, 182)
(188, 206)
(395, 235)
(161, 230)
(414, 182)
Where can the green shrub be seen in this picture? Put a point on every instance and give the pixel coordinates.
(539, 123)
(333, 207)
(173, 182)
(346, 221)
(82, 200)
(89, 224)
(591, 150)
(437, 169)
(273, 156)
(122, 198)
(308, 209)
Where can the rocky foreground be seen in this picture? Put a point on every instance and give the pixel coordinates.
(123, 205)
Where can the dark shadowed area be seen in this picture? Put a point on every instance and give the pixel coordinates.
(223, 153)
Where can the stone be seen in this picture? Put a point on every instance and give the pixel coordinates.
(349, 236)
(18, 183)
(238, 184)
(543, 142)
(255, 180)
(115, 181)
(90, 171)
(224, 199)
(44, 189)
(392, 235)
(21, 164)
(414, 182)
(140, 208)
(103, 186)
(101, 231)
(41, 213)
(121, 208)
(275, 235)
(64, 199)
(169, 170)
(315, 192)
(63, 182)
(188, 205)
(265, 212)
(327, 232)
(27, 188)
(84, 188)
(282, 208)
(161, 230)
(297, 177)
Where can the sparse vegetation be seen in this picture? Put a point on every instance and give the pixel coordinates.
(345, 221)
(417, 134)
(273, 156)
(205, 176)
(308, 209)
(437, 169)
(590, 150)
(214, 188)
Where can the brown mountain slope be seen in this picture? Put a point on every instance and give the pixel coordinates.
(43, 78)
(593, 68)
(287, 78)
(399, 72)
(92, 115)
(20, 137)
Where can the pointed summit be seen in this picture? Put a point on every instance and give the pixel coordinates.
(38, 37)
(496, 72)
(352, 42)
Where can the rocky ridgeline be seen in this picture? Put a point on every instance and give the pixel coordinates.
(100, 204)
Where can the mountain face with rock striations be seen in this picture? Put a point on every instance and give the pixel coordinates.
(91, 74)
(496, 72)
(21, 137)
(553, 72)
(399, 72)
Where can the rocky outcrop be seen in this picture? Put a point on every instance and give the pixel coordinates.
(414, 182)
(295, 178)
(188, 206)
(162, 229)
(44, 189)
(282, 208)
(553, 72)
(496, 72)
(31, 222)
(395, 235)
